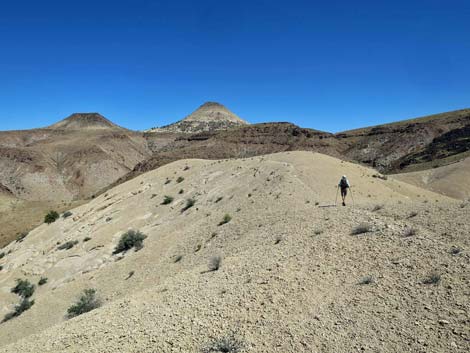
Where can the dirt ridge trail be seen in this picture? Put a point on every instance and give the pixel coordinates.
(291, 275)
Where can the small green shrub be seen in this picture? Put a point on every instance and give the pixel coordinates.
(432, 278)
(377, 208)
(21, 237)
(2, 255)
(181, 191)
(67, 214)
(180, 179)
(409, 232)
(23, 288)
(361, 229)
(367, 280)
(88, 301)
(227, 218)
(42, 281)
(167, 181)
(225, 344)
(51, 217)
(67, 245)
(189, 203)
(130, 239)
(20, 308)
(178, 258)
(215, 262)
(219, 199)
(167, 200)
(86, 239)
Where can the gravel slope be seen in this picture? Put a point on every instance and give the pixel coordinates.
(291, 270)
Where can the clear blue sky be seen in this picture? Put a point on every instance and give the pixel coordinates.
(329, 65)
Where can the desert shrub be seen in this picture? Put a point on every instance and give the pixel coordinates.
(455, 250)
(361, 229)
(189, 203)
(227, 218)
(180, 179)
(67, 214)
(178, 258)
(51, 217)
(67, 245)
(23, 288)
(432, 278)
(2, 255)
(167, 181)
(86, 239)
(366, 280)
(21, 237)
(318, 231)
(186, 167)
(130, 239)
(377, 208)
(42, 281)
(215, 262)
(85, 303)
(413, 214)
(278, 239)
(219, 199)
(181, 191)
(409, 232)
(225, 344)
(167, 200)
(20, 308)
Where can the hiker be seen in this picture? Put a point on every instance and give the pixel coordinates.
(344, 185)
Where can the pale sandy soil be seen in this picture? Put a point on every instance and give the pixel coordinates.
(291, 270)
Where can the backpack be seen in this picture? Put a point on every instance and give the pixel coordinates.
(343, 183)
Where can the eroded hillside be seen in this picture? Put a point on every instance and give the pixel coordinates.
(293, 277)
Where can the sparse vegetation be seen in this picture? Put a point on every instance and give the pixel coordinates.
(51, 217)
(42, 281)
(2, 255)
(189, 203)
(377, 208)
(278, 239)
(130, 239)
(455, 250)
(413, 214)
(432, 278)
(21, 237)
(181, 191)
(226, 344)
(23, 288)
(318, 231)
(20, 308)
(86, 239)
(67, 214)
(227, 218)
(178, 258)
(88, 301)
(67, 245)
(366, 280)
(180, 179)
(167, 181)
(361, 229)
(215, 262)
(409, 232)
(167, 200)
(219, 199)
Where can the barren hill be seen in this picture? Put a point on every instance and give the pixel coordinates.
(85, 121)
(293, 277)
(210, 116)
(414, 144)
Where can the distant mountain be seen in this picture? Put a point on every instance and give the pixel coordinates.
(210, 116)
(85, 121)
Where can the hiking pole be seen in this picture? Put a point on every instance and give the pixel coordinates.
(336, 198)
(352, 197)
